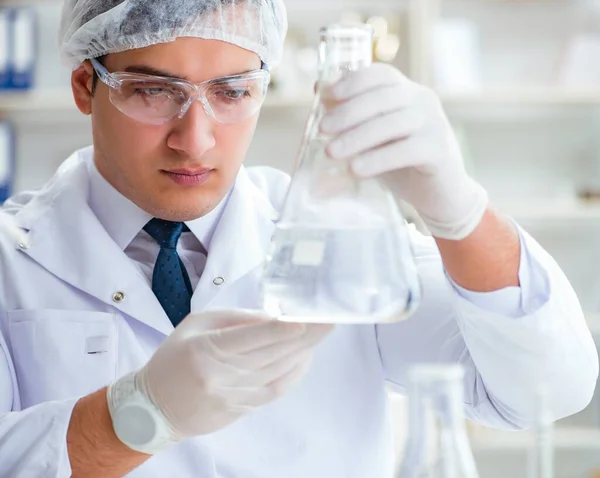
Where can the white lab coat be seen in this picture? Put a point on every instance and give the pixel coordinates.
(56, 305)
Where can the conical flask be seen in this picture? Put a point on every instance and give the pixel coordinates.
(341, 252)
(437, 446)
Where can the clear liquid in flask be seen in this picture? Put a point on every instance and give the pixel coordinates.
(337, 273)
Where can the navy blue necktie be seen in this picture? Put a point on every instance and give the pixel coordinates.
(170, 280)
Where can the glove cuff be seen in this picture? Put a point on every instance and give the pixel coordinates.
(475, 204)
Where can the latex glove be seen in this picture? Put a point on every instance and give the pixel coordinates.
(217, 366)
(395, 129)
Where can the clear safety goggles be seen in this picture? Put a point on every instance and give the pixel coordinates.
(157, 100)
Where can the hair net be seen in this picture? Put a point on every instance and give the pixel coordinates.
(93, 28)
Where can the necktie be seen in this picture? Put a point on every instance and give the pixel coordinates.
(170, 280)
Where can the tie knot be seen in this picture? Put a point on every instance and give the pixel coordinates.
(165, 233)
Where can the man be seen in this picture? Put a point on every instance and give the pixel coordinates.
(160, 219)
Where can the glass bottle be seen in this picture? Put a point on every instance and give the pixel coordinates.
(340, 253)
(438, 445)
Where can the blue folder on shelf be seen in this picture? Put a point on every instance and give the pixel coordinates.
(7, 161)
(5, 47)
(24, 47)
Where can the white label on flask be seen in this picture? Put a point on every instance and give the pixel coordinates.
(5, 149)
(308, 253)
(4, 41)
(24, 40)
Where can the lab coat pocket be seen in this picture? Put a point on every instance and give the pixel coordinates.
(61, 354)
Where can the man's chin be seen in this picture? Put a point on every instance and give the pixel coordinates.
(183, 210)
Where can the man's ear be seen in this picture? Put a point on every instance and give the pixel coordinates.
(82, 85)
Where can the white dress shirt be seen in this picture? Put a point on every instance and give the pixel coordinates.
(124, 221)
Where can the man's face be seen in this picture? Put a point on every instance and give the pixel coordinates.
(155, 166)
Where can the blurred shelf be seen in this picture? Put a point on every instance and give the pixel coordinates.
(552, 96)
(565, 439)
(550, 209)
(276, 101)
(518, 4)
(344, 5)
(62, 100)
(32, 101)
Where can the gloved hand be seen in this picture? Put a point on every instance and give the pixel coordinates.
(395, 129)
(218, 365)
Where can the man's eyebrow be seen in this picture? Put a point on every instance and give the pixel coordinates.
(148, 70)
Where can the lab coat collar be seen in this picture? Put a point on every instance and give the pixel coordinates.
(204, 227)
(241, 240)
(121, 218)
(66, 237)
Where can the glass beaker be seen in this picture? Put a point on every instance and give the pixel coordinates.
(341, 251)
(437, 446)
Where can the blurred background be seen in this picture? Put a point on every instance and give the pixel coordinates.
(519, 79)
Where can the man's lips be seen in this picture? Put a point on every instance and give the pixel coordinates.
(189, 171)
(189, 176)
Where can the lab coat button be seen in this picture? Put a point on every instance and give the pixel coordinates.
(118, 297)
(218, 280)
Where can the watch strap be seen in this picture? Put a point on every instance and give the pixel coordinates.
(123, 394)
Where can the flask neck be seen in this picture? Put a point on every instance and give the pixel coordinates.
(438, 404)
(344, 49)
(332, 66)
(438, 445)
(541, 454)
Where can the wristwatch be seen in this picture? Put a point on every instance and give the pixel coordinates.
(137, 422)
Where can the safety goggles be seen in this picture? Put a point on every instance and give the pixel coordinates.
(157, 100)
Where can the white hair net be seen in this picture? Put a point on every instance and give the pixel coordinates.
(93, 28)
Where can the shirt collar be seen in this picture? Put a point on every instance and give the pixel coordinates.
(204, 227)
(123, 219)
